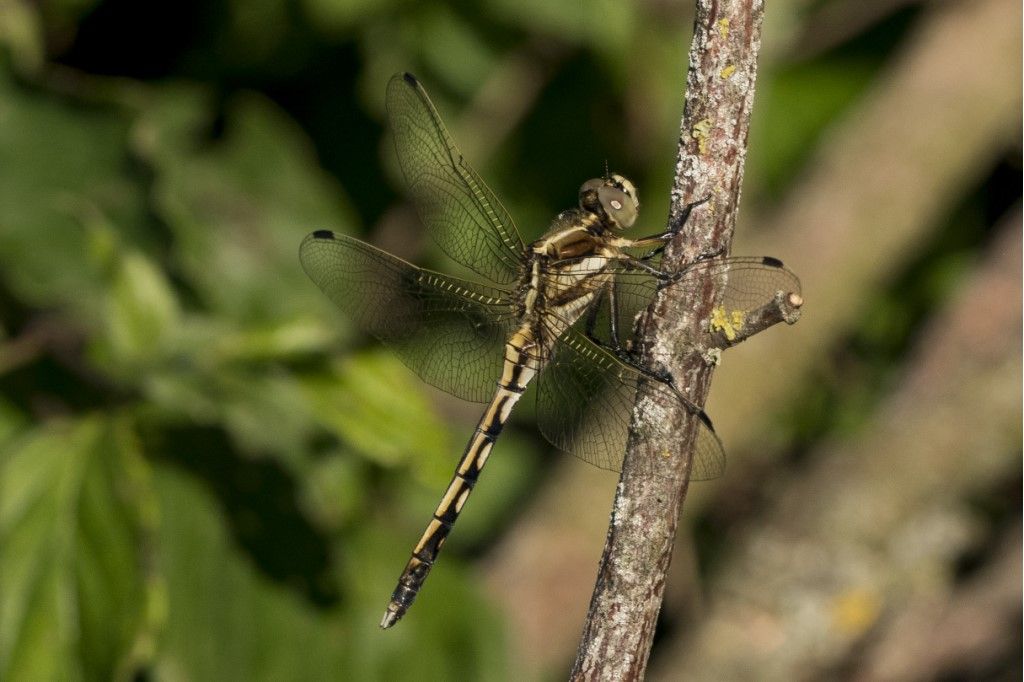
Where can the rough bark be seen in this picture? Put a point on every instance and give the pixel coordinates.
(712, 146)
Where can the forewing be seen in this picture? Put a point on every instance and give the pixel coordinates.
(585, 402)
(449, 331)
(462, 214)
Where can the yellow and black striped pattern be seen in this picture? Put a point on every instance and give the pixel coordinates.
(521, 365)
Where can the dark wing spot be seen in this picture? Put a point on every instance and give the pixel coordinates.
(323, 234)
(706, 419)
(772, 262)
(410, 79)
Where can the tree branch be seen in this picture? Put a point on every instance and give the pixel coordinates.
(784, 307)
(624, 608)
(825, 565)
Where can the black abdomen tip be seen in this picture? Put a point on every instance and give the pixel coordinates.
(772, 262)
(323, 234)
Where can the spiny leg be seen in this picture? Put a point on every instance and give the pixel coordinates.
(614, 343)
(590, 322)
(613, 316)
(659, 241)
(664, 237)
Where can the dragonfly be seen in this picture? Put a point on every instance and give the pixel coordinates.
(557, 310)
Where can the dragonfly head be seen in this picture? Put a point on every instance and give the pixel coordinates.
(612, 197)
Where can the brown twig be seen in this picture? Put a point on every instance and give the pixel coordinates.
(872, 525)
(712, 146)
(784, 307)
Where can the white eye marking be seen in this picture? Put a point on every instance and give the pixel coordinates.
(616, 204)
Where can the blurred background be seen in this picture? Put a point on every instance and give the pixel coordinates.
(207, 474)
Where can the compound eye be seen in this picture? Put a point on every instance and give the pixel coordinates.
(618, 205)
(592, 184)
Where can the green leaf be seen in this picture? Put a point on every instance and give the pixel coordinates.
(225, 620)
(12, 420)
(239, 206)
(602, 24)
(74, 519)
(141, 315)
(267, 413)
(21, 35)
(340, 16)
(455, 51)
(62, 171)
(377, 407)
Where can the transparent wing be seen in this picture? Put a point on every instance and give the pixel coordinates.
(743, 285)
(461, 213)
(586, 394)
(585, 401)
(449, 331)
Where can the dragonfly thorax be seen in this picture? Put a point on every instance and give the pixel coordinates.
(565, 270)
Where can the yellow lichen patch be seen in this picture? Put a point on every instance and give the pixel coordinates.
(856, 610)
(700, 132)
(727, 71)
(729, 323)
(723, 28)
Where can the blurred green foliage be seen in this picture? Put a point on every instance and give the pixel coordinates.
(202, 473)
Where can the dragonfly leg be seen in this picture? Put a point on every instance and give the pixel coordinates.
(590, 322)
(640, 264)
(660, 374)
(614, 343)
(684, 217)
(627, 355)
(613, 317)
(660, 241)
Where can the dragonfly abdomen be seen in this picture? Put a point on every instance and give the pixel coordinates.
(454, 499)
